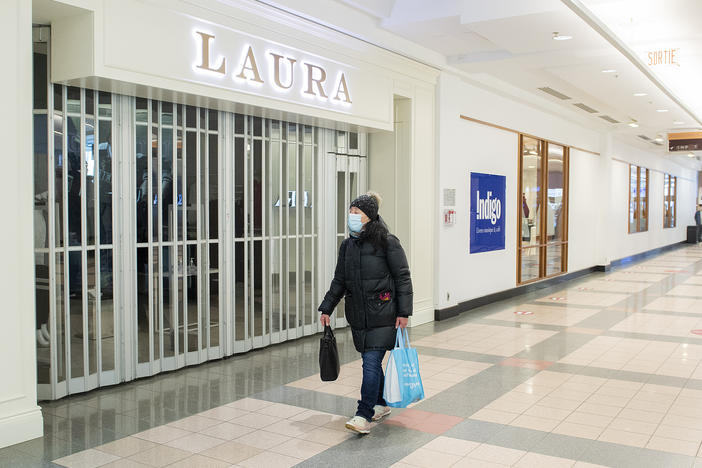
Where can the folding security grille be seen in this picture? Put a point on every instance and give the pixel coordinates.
(167, 234)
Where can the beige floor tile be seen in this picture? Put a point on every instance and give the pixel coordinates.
(227, 431)
(679, 433)
(623, 437)
(263, 440)
(536, 460)
(559, 403)
(452, 446)
(290, 428)
(469, 462)
(195, 443)
(535, 422)
(160, 455)
(198, 461)
(255, 420)
(631, 425)
(682, 421)
(315, 418)
(581, 464)
(281, 410)
(124, 463)
(162, 434)
(126, 447)
(609, 400)
(549, 413)
(495, 454)
(194, 423)
(589, 419)
(496, 416)
(578, 430)
(299, 448)
(673, 445)
(223, 413)
(86, 459)
(270, 460)
(249, 404)
(641, 415)
(326, 436)
(602, 410)
(232, 452)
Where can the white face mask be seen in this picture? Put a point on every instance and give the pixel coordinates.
(355, 224)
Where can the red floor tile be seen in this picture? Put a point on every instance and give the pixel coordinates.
(424, 421)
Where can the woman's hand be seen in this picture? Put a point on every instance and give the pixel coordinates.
(401, 322)
(325, 319)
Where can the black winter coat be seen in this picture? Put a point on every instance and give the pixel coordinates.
(377, 287)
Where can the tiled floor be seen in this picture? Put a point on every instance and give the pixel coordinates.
(605, 370)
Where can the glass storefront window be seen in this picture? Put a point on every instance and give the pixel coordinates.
(638, 199)
(669, 200)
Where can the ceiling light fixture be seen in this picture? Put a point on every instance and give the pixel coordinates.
(690, 155)
(661, 110)
(659, 139)
(640, 94)
(633, 124)
(678, 122)
(558, 37)
(609, 70)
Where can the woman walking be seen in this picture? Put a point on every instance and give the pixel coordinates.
(373, 275)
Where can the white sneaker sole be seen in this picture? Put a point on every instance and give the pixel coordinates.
(384, 415)
(356, 429)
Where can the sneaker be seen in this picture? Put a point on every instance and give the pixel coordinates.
(358, 424)
(380, 412)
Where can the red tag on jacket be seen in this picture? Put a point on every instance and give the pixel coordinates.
(384, 296)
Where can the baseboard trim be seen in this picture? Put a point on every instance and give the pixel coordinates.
(449, 312)
(21, 427)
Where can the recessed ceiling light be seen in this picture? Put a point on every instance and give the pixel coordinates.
(678, 122)
(690, 155)
(609, 70)
(661, 110)
(659, 139)
(559, 37)
(640, 94)
(633, 124)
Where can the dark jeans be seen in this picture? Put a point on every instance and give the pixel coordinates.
(372, 386)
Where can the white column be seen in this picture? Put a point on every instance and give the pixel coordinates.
(20, 417)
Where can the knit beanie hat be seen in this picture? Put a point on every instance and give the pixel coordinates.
(368, 204)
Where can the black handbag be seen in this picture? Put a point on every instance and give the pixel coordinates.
(328, 356)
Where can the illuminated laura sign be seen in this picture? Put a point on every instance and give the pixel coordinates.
(285, 73)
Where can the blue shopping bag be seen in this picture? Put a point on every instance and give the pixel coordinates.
(403, 384)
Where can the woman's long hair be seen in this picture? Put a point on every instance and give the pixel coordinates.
(376, 231)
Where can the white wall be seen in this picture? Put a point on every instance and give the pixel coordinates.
(622, 244)
(20, 417)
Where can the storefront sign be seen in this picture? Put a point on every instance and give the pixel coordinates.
(487, 212)
(282, 73)
(686, 141)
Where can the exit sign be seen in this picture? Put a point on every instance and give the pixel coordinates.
(686, 141)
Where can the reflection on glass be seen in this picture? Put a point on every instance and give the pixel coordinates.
(666, 200)
(257, 188)
(531, 193)
(530, 264)
(166, 113)
(554, 259)
(257, 283)
(60, 316)
(107, 312)
(167, 211)
(104, 104)
(341, 210)
(308, 280)
(73, 100)
(105, 181)
(633, 201)
(239, 291)
(643, 199)
(180, 167)
(182, 278)
(673, 200)
(239, 174)
(92, 313)
(143, 304)
(554, 202)
(155, 316)
(40, 81)
(193, 295)
(89, 102)
(214, 295)
(142, 110)
(58, 98)
(341, 308)
(293, 279)
(191, 183)
(203, 184)
(169, 290)
(142, 184)
(42, 306)
(90, 180)
(155, 182)
(190, 117)
(58, 167)
(213, 119)
(73, 174)
(213, 185)
(75, 282)
(204, 296)
(307, 192)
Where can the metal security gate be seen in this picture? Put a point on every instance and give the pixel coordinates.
(167, 234)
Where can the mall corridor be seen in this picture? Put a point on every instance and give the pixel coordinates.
(605, 370)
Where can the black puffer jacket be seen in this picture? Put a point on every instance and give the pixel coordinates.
(378, 288)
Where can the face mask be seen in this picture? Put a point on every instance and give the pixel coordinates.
(355, 224)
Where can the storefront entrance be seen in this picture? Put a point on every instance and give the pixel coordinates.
(167, 235)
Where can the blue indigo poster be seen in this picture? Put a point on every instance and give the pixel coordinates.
(487, 212)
